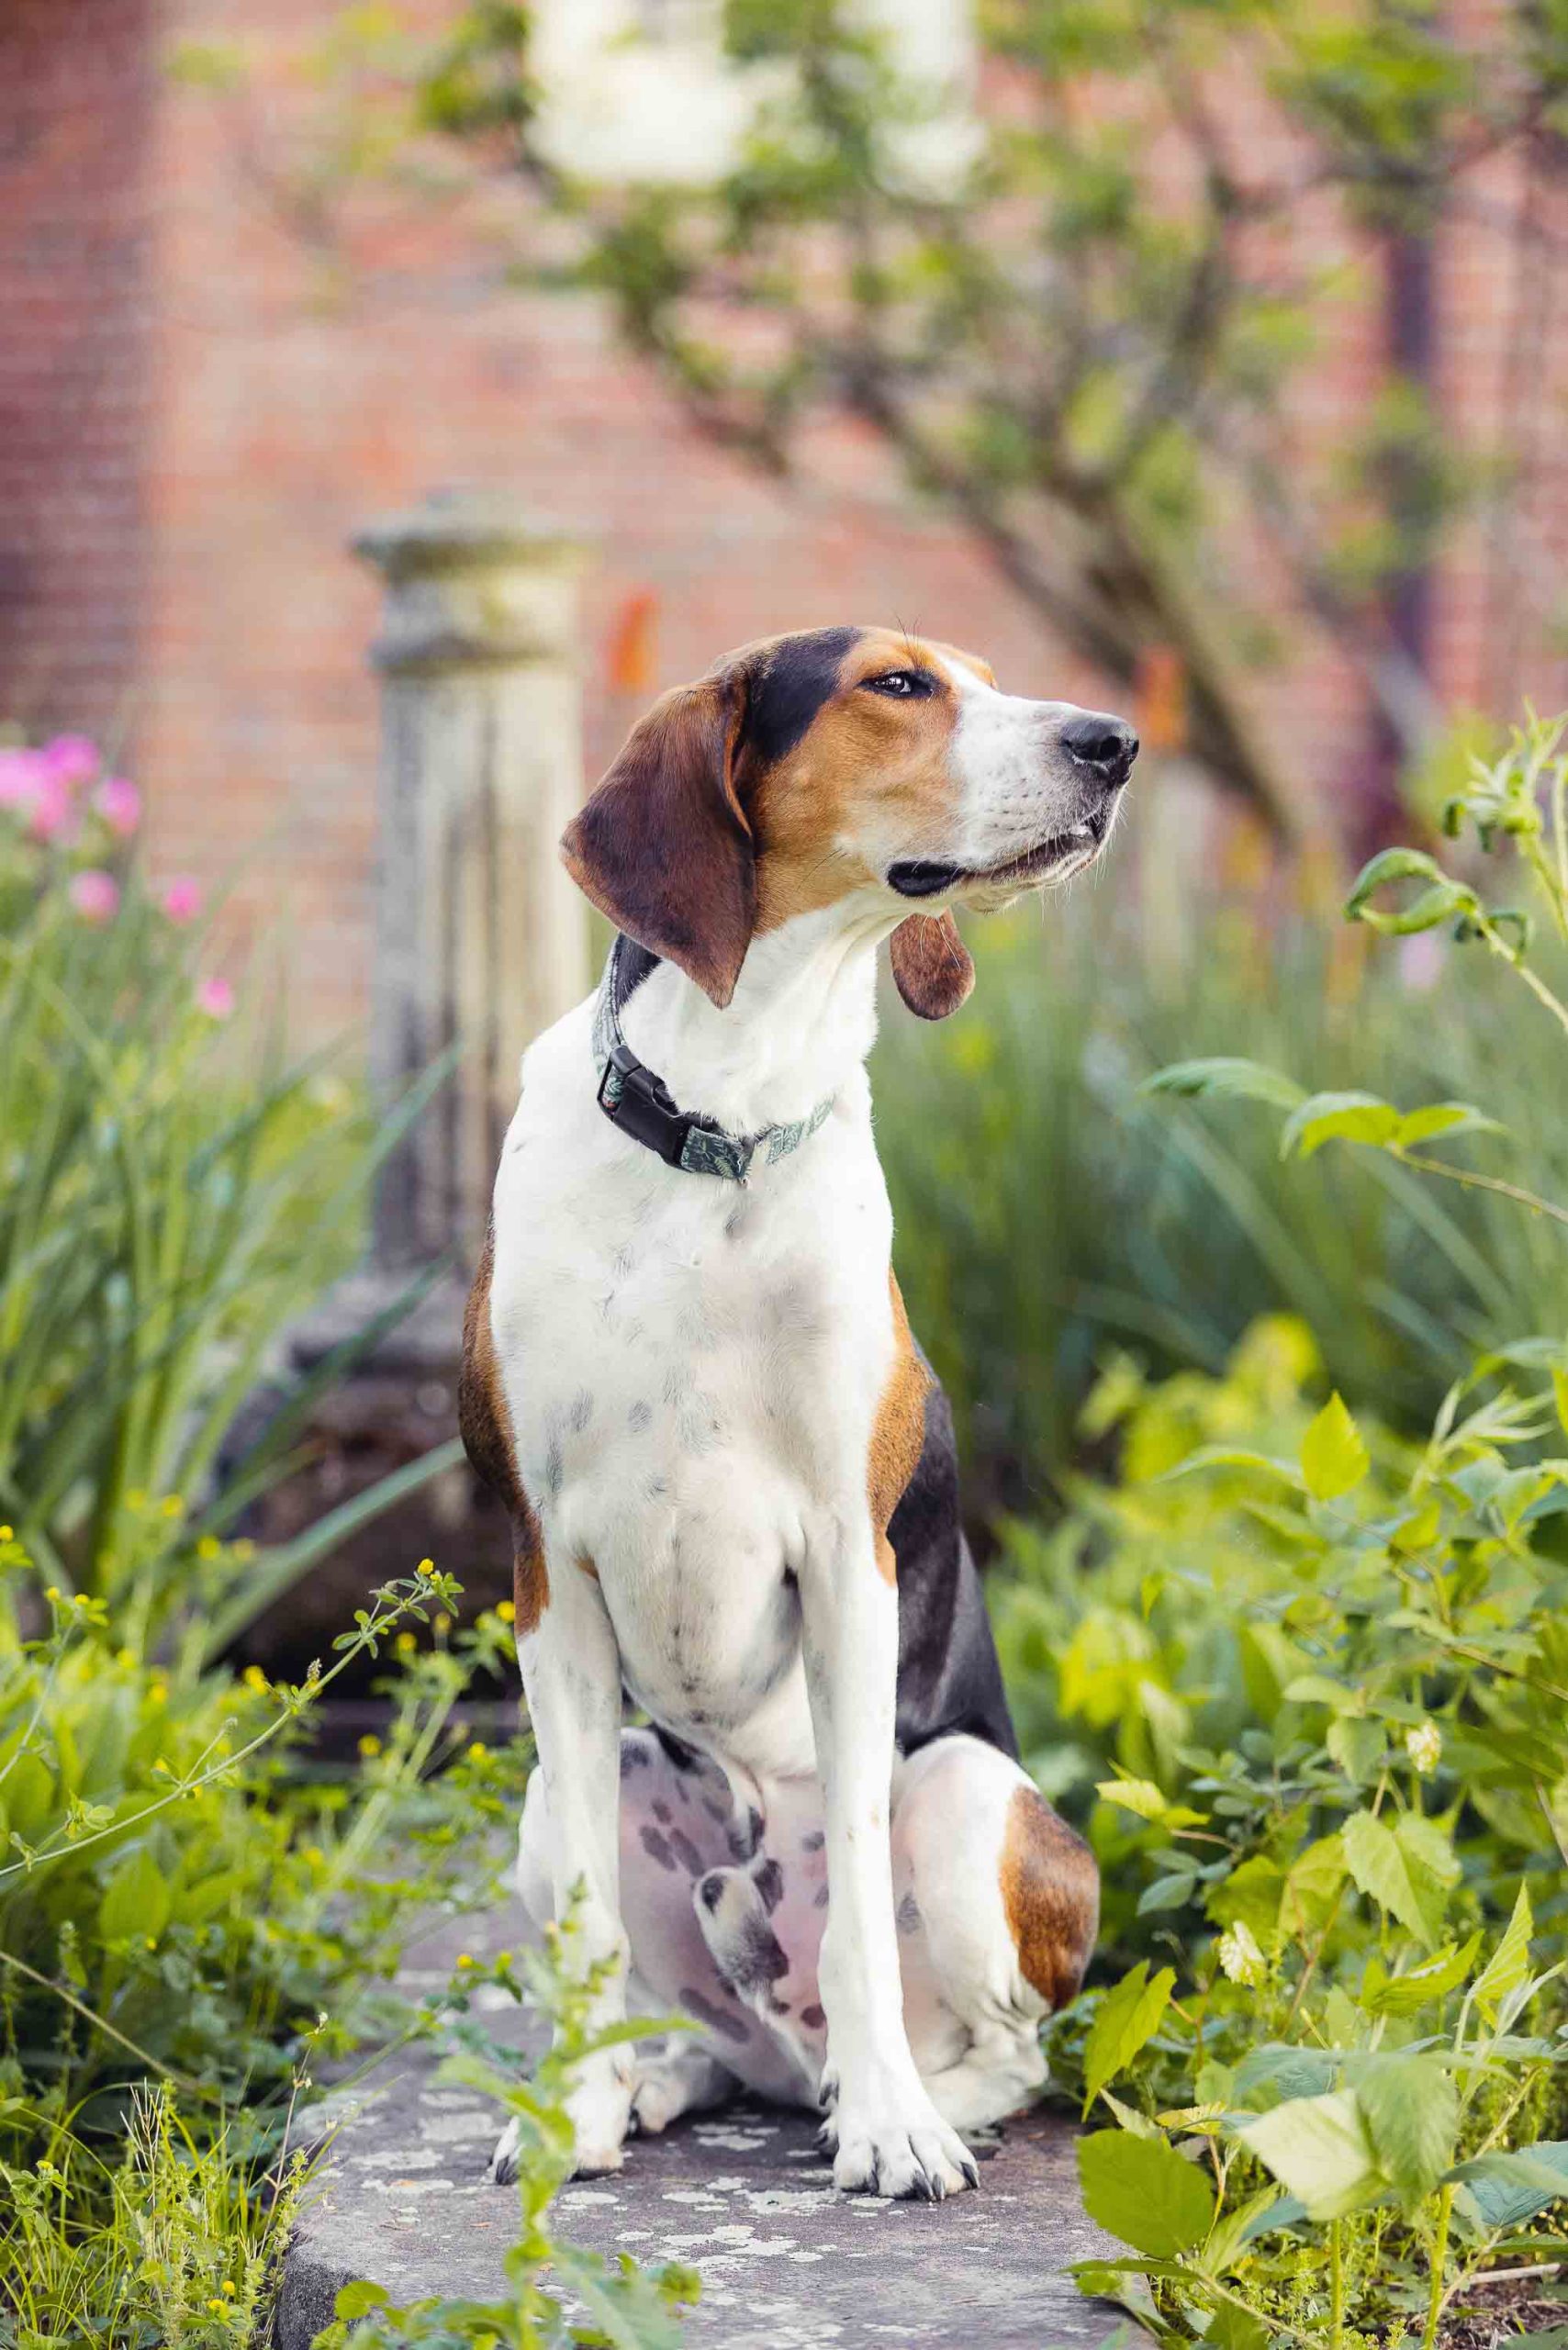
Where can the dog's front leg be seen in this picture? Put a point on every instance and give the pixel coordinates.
(889, 2138)
(571, 1676)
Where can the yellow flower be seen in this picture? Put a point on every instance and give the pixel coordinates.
(149, 1942)
(158, 1690)
(52, 1593)
(506, 1611)
(405, 1644)
(5, 1534)
(464, 1958)
(478, 1751)
(217, 2308)
(254, 1678)
(209, 1547)
(228, 2285)
(444, 1622)
(369, 1744)
(172, 1506)
(503, 1958)
(425, 1567)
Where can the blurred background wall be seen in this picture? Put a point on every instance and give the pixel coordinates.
(216, 363)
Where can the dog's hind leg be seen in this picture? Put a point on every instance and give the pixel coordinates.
(680, 2077)
(997, 1907)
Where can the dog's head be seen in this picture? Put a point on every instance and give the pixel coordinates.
(843, 763)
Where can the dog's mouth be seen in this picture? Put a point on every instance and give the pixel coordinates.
(1062, 853)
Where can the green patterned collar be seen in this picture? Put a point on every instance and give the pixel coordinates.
(641, 1105)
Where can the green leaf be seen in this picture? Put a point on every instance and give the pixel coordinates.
(1509, 2189)
(1234, 2329)
(1128, 2019)
(1443, 1118)
(1444, 897)
(1317, 1689)
(1333, 1456)
(1392, 864)
(1171, 1892)
(1140, 1796)
(1508, 1965)
(1357, 1745)
(1339, 1117)
(1402, 1995)
(1282, 2073)
(1411, 2109)
(359, 2298)
(1318, 2149)
(1405, 1869)
(1142, 2191)
(137, 1900)
(1226, 1079)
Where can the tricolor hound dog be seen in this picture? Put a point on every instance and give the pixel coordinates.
(729, 1469)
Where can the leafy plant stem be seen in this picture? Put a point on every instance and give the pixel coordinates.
(62, 1991)
(1336, 2287)
(1440, 2261)
(229, 1762)
(1474, 1182)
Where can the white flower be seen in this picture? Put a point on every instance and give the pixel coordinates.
(1240, 1959)
(1424, 1745)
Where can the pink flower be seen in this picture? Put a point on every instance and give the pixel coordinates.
(22, 777)
(95, 895)
(181, 898)
(216, 998)
(53, 815)
(118, 802)
(71, 759)
(30, 785)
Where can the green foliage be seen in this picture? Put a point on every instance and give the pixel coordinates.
(1048, 1209)
(622, 2305)
(1317, 1674)
(173, 1194)
(185, 2253)
(188, 1919)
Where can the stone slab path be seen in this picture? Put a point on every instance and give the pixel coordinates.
(742, 2195)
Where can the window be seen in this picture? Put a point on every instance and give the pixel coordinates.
(642, 90)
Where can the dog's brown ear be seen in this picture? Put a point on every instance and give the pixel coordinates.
(931, 965)
(664, 847)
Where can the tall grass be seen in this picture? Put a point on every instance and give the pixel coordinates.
(175, 1191)
(1047, 1213)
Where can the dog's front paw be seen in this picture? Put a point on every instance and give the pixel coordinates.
(915, 2154)
(600, 2116)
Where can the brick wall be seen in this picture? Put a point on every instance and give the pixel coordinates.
(78, 97)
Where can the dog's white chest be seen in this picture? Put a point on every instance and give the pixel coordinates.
(690, 1369)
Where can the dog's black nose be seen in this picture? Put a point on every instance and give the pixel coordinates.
(1102, 742)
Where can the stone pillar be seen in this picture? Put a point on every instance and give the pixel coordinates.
(482, 939)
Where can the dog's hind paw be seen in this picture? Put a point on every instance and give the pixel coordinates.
(503, 2170)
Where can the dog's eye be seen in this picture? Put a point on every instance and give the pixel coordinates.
(903, 685)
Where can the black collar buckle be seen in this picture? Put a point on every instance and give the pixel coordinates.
(643, 1107)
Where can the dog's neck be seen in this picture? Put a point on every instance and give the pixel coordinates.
(802, 1018)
